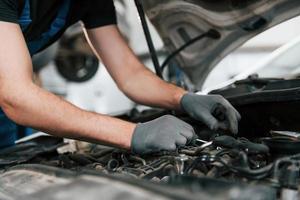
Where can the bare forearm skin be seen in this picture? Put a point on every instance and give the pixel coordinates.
(148, 89)
(31, 106)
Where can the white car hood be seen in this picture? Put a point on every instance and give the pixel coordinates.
(237, 21)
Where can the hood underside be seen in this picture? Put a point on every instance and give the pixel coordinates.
(237, 21)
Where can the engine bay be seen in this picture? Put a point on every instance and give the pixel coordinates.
(261, 162)
(212, 168)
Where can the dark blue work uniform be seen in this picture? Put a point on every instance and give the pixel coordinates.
(43, 22)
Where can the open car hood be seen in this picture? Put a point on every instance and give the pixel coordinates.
(237, 21)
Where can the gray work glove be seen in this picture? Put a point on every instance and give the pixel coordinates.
(213, 110)
(165, 133)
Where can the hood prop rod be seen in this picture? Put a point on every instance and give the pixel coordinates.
(149, 39)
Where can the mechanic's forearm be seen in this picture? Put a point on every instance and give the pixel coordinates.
(148, 89)
(131, 76)
(31, 106)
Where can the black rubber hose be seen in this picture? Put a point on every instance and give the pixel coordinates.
(211, 33)
(148, 38)
(256, 174)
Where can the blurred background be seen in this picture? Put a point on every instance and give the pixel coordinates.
(74, 73)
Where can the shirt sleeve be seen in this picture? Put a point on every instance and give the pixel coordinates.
(9, 11)
(100, 13)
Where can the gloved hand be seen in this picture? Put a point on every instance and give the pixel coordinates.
(165, 133)
(213, 110)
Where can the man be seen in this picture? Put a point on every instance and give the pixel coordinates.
(29, 26)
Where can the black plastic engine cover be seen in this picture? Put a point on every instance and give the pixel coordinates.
(265, 105)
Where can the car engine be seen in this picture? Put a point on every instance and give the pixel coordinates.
(260, 162)
(213, 168)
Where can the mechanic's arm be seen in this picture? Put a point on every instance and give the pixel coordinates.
(28, 105)
(131, 76)
(143, 86)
